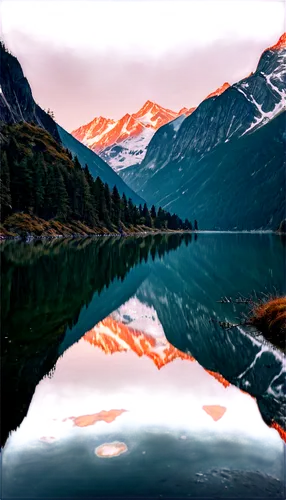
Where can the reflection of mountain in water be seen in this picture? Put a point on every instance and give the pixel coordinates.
(52, 293)
(181, 295)
(112, 336)
(184, 289)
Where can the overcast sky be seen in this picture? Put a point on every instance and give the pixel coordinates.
(90, 58)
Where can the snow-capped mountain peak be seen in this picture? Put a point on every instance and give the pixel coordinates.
(123, 142)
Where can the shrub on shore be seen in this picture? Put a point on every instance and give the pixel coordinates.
(270, 319)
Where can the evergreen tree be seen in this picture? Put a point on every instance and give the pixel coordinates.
(39, 183)
(158, 223)
(76, 163)
(145, 210)
(116, 206)
(162, 219)
(22, 186)
(88, 176)
(51, 199)
(132, 215)
(35, 180)
(99, 192)
(135, 215)
(148, 220)
(196, 225)
(108, 201)
(187, 225)
(153, 212)
(87, 207)
(146, 216)
(125, 215)
(5, 192)
(62, 204)
(50, 113)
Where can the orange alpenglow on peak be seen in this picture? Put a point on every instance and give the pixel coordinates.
(281, 44)
(103, 132)
(219, 91)
(112, 336)
(186, 111)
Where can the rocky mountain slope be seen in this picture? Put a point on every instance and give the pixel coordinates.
(96, 165)
(123, 142)
(18, 105)
(218, 155)
(16, 99)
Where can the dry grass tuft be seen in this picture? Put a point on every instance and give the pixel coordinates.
(270, 319)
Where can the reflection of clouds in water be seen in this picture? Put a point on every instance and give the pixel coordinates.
(89, 385)
(86, 369)
(110, 450)
(48, 439)
(233, 411)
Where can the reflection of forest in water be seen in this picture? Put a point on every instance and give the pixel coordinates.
(54, 292)
(44, 287)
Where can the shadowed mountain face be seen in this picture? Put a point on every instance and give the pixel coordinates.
(179, 297)
(226, 157)
(52, 293)
(97, 167)
(16, 100)
(17, 105)
(184, 290)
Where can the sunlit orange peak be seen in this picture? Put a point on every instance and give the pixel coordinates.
(219, 91)
(281, 44)
(112, 336)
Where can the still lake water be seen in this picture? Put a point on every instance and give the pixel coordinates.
(117, 383)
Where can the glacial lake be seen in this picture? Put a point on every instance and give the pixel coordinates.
(118, 380)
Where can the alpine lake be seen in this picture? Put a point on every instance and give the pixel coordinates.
(121, 379)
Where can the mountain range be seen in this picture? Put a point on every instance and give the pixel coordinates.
(168, 317)
(123, 142)
(18, 105)
(215, 165)
(208, 162)
(113, 336)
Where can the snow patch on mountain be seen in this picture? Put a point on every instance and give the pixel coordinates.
(140, 317)
(128, 152)
(123, 143)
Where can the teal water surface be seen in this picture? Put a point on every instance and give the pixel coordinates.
(118, 380)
